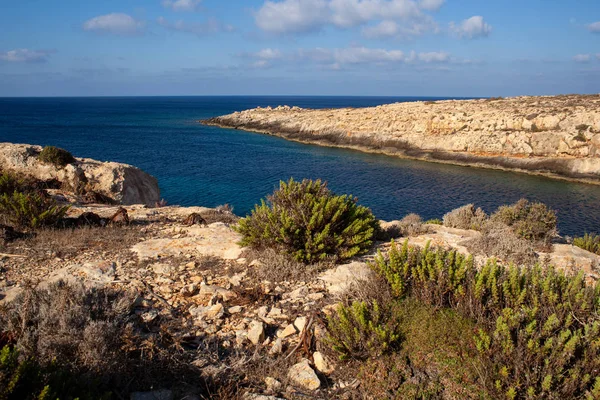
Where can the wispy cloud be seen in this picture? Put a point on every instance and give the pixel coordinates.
(182, 5)
(471, 28)
(594, 27)
(208, 27)
(26, 56)
(115, 23)
(582, 58)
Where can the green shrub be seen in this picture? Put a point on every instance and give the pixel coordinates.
(589, 242)
(309, 222)
(532, 221)
(31, 210)
(465, 217)
(538, 329)
(9, 183)
(434, 221)
(56, 156)
(363, 329)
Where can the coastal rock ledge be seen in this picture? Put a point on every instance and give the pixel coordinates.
(558, 136)
(121, 183)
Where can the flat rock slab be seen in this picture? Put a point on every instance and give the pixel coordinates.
(341, 278)
(574, 259)
(217, 240)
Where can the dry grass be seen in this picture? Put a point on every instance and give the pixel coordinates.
(465, 217)
(499, 240)
(276, 266)
(64, 243)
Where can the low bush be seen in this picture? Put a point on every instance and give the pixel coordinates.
(589, 242)
(30, 210)
(537, 329)
(363, 329)
(275, 266)
(10, 183)
(500, 241)
(56, 156)
(532, 221)
(435, 221)
(306, 220)
(465, 217)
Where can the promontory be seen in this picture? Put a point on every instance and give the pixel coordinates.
(557, 136)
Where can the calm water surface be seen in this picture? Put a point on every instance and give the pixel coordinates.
(208, 166)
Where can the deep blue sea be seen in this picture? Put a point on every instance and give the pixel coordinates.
(208, 166)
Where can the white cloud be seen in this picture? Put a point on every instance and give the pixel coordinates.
(594, 27)
(291, 16)
(211, 26)
(582, 58)
(389, 29)
(472, 28)
(181, 5)
(25, 55)
(434, 57)
(116, 23)
(431, 4)
(268, 54)
(296, 16)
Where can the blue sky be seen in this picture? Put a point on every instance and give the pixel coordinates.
(299, 47)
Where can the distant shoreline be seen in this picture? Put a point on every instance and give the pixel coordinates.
(349, 128)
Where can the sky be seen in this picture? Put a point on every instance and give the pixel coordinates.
(470, 48)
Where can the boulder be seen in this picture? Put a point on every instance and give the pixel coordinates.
(121, 183)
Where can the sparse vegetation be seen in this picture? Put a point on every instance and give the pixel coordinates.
(589, 242)
(536, 330)
(465, 217)
(530, 220)
(499, 240)
(56, 156)
(30, 210)
(364, 329)
(306, 220)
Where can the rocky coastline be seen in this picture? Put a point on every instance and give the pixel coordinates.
(193, 284)
(555, 136)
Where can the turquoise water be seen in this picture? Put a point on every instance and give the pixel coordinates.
(208, 166)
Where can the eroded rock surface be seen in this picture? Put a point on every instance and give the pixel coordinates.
(555, 135)
(122, 183)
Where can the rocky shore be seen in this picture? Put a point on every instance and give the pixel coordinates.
(557, 136)
(220, 304)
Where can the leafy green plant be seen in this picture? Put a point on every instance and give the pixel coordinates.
(10, 183)
(434, 221)
(363, 329)
(589, 242)
(538, 329)
(531, 220)
(309, 222)
(56, 156)
(31, 210)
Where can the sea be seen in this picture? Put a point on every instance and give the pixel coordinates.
(207, 166)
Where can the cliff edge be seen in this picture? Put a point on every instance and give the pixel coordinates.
(558, 136)
(119, 183)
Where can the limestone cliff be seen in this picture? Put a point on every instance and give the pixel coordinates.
(122, 183)
(552, 135)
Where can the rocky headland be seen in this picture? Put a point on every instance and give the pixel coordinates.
(557, 136)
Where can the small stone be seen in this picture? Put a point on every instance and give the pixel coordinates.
(149, 316)
(288, 331)
(322, 364)
(303, 375)
(273, 384)
(277, 347)
(236, 280)
(255, 263)
(256, 333)
(212, 312)
(235, 309)
(191, 265)
(301, 292)
(300, 323)
(316, 296)
(241, 261)
(197, 279)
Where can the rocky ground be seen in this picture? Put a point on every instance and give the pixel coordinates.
(198, 280)
(553, 135)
